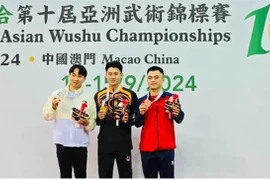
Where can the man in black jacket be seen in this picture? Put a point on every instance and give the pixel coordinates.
(115, 106)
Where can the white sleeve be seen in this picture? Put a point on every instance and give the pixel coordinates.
(48, 112)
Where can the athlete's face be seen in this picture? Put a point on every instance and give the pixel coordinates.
(155, 79)
(114, 76)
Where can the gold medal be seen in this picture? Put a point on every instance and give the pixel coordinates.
(103, 109)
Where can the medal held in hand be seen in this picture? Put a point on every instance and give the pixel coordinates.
(119, 111)
(103, 107)
(170, 103)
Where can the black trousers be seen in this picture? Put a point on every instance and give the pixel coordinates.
(158, 163)
(72, 157)
(106, 163)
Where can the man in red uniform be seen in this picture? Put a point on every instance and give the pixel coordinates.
(156, 113)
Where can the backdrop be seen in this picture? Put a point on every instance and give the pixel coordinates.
(215, 56)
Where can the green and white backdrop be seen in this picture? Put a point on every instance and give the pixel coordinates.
(215, 55)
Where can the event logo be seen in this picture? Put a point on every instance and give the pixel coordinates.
(255, 44)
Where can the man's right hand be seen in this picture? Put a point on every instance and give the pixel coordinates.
(101, 115)
(143, 107)
(55, 103)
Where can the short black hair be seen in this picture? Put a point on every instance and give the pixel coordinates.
(81, 68)
(114, 64)
(155, 68)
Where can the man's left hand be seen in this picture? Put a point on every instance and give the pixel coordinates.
(83, 121)
(176, 108)
(125, 117)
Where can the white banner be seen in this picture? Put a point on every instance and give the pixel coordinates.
(215, 55)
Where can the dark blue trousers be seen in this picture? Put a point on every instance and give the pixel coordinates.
(158, 163)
